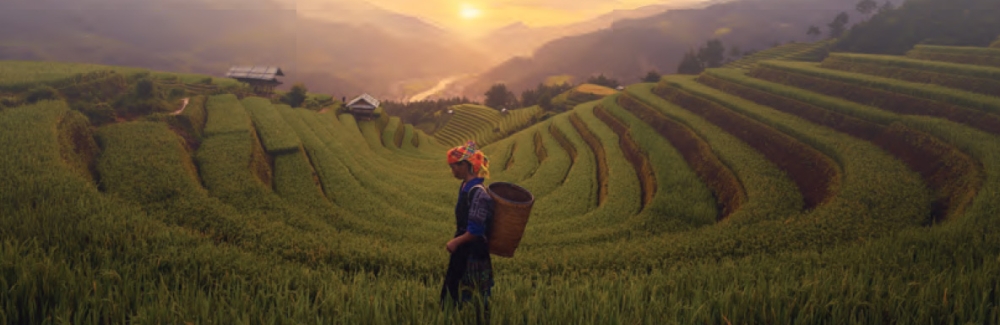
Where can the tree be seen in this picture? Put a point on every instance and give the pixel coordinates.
(887, 6)
(712, 55)
(499, 97)
(735, 52)
(529, 97)
(838, 25)
(296, 96)
(603, 81)
(813, 31)
(690, 64)
(866, 7)
(652, 76)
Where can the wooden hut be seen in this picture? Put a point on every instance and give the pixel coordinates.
(263, 79)
(363, 106)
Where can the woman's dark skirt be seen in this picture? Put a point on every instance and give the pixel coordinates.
(470, 275)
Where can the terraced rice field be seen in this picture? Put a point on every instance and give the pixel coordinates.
(22, 75)
(860, 189)
(791, 52)
(483, 124)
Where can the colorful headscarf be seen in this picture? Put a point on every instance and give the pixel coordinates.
(470, 152)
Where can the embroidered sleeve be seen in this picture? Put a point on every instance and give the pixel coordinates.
(480, 211)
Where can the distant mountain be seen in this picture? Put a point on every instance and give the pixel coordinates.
(337, 56)
(518, 39)
(363, 13)
(630, 48)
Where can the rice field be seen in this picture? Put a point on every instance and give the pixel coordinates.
(791, 52)
(483, 124)
(782, 192)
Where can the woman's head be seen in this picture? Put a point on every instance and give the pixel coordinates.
(468, 160)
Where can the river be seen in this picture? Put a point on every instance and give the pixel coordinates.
(441, 85)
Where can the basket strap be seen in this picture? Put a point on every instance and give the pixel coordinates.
(472, 194)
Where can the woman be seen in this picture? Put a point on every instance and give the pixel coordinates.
(470, 272)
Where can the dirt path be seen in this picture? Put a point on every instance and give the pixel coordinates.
(185, 105)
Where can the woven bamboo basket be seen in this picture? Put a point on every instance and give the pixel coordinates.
(512, 206)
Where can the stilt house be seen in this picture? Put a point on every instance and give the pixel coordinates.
(263, 79)
(363, 106)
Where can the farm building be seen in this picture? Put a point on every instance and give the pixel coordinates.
(263, 79)
(363, 106)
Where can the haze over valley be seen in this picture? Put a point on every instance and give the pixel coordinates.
(341, 47)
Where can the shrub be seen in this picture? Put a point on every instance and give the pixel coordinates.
(145, 88)
(177, 93)
(98, 113)
(41, 93)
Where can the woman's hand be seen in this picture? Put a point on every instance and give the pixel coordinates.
(454, 243)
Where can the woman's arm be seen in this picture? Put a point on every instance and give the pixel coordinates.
(454, 243)
(480, 211)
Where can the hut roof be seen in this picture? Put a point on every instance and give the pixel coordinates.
(364, 97)
(255, 72)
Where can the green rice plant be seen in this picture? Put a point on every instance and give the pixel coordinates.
(815, 174)
(155, 171)
(930, 92)
(372, 135)
(884, 98)
(857, 158)
(322, 160)
(196, 115)
(576, 193)
(770, 193)
(76, 144)
(965, 50)
(385, 181)
(296, 180)
(226, 115)
(23, 75)
(392, 135)
(957, 69)
(42, 192)
(483, 124)
(276, 135)
(600, 157)
(963, 55)
(634, 155)
(976, 85)
(780, 52)
(677, 199)
(952, 174)
(408, 138)
(552, 170)
(615, 217)
(169, 173)
(725, 187)
(522, 161)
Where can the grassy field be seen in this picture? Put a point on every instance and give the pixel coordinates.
(862, 189)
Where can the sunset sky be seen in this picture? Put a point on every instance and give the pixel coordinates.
(477, 16)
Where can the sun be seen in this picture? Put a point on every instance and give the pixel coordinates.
(469, 12)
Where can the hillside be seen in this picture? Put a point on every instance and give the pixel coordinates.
(518, 39)
(630, 48)
(927, 22)
(483, 124)
(862, 188)
(208, 36)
